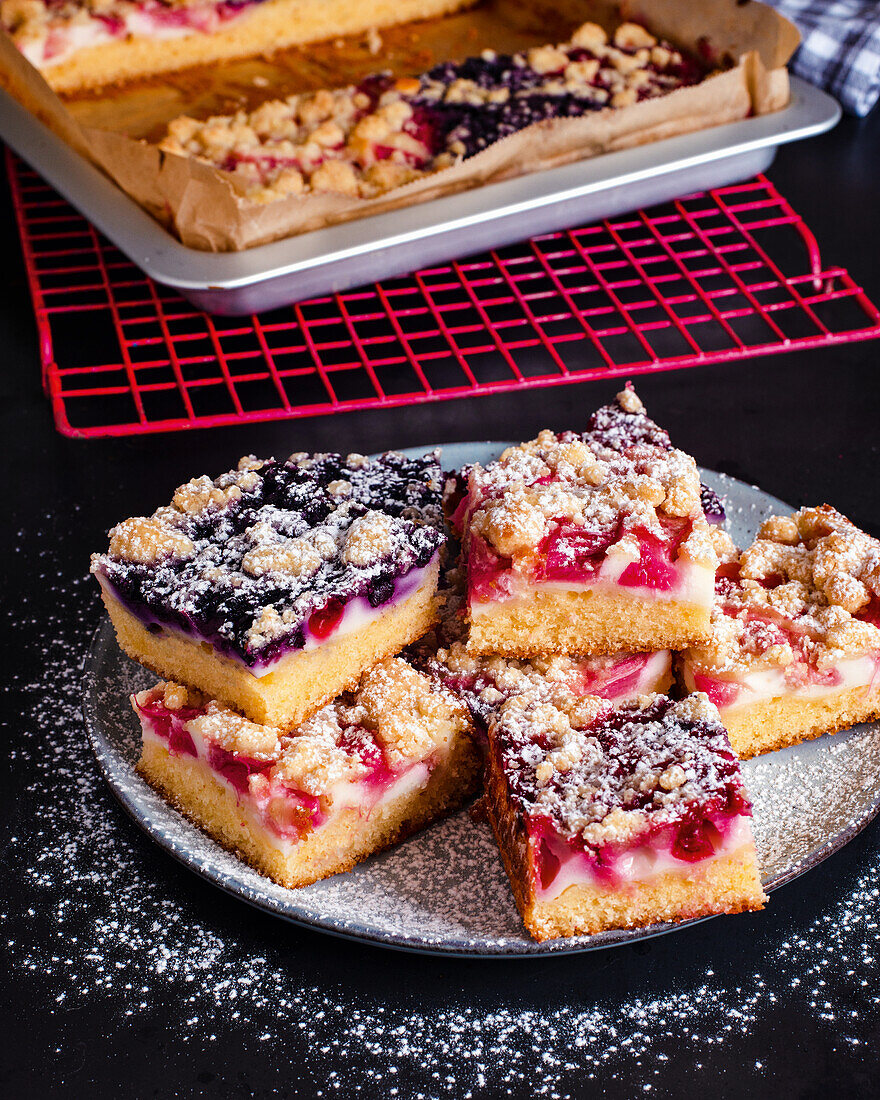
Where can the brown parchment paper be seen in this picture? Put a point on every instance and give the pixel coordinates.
(204, 207)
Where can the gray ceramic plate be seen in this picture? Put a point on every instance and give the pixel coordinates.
(445, 891)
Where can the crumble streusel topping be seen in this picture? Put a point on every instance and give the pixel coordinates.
(403, 709)
(482, 682)
(246, 559)
(236, 734)
(145, 540)
(607, 774)
(624, 423)
(795, 595)
(369, 539)
(386, 132)
(610, 495)
(201, 494)
(613, 428)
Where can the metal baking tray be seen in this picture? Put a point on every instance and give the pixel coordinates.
(363, 251)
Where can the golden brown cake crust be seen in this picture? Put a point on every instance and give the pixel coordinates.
(584, 623)
(775, 724)
(729, 885)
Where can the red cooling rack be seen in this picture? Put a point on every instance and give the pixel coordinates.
(717, 276)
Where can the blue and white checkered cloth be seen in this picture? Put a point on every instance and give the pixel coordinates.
(840, 47)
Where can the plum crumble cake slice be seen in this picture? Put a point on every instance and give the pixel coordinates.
(482, 682)
(794, 650)
(367, 139)
(80, 44)
(618, 817)
(574, 547)
(360, 774)
(273, 587)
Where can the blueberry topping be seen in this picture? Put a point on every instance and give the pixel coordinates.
(276, 543)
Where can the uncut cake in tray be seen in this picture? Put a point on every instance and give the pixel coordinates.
(231, 158)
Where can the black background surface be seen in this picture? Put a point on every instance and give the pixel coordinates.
(129, 976)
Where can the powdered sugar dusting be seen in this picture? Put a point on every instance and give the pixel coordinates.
(801, 796)
(101, 922)
(244, 561)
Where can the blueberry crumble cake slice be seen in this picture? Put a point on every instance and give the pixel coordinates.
(360, 774)
(79, 44)
(573, 546)
(273, 587)
(618, 817)
(794, 648)
(365, 140)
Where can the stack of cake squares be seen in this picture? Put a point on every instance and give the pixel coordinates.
(339, 669)
(274, 600)
(587, 560)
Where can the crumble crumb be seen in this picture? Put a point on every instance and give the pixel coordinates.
(147, 540)
(369, 538)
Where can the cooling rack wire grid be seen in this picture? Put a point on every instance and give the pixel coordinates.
(721, 275)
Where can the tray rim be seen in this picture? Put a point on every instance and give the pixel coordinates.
(108, 763)
(165, 259)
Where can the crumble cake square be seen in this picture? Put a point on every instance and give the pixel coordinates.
(794, 649)
(618, 817)
(273, 587)
(575, 546)
(360, 774)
